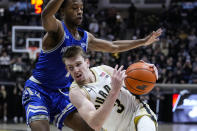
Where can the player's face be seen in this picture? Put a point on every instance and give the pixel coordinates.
(74, 12)
(78, 68)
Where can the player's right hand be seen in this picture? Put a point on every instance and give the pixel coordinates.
(118, 77)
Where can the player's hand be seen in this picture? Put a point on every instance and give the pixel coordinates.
(154, 68)
(118, 77)
(153, 37)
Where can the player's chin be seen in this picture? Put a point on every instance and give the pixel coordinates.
(78, 79)
(78, 22)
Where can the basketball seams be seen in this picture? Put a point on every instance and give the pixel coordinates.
(132, 87)
(140, 80)
(139, 69)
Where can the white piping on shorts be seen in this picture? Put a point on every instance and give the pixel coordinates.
(32, 78)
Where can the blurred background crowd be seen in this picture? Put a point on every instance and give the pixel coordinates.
(174, 55)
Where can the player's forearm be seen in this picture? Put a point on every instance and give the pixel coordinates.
(51, 8)
(125, 45)
(100, 115)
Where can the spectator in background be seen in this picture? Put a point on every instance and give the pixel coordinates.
(5, 61)
(18, 112)
(94, 27)
(194, 64)
(187, 71)
(132, 12)
(192, 39)
(3, 103)
(194, 76)
(178, 73)
(18, 68)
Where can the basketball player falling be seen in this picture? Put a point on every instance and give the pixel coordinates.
(100, 99)
(45, 95)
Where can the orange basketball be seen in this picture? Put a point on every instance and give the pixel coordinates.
(141, 78)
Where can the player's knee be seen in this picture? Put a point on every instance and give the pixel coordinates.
(145, 123)
(39, 125)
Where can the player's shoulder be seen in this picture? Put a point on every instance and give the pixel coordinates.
(97, 67)
(107, 69)
(103, 68)
(90, 36)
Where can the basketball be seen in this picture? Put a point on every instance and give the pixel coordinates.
(141, 78)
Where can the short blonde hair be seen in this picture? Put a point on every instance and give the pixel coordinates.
(73, 51)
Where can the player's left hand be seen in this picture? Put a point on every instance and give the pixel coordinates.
(154, 68)
(153, 37)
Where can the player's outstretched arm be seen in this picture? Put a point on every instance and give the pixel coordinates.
(121, 45)
(96, 118)
(49, 22)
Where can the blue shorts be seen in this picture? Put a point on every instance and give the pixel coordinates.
(45, 104)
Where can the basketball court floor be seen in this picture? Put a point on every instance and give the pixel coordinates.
(162, 127)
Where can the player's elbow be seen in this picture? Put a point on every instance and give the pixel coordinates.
(44, 14)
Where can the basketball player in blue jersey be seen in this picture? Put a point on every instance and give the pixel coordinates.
(45, 96)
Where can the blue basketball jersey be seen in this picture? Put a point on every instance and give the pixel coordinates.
(50, 70)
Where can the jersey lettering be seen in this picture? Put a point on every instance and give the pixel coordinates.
(97, 106)
(119, 105)
(107, 88)
(103, 94)
(99, 100)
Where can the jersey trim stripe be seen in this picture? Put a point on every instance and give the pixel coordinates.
(96, 76)
(32, 78)
(87, 40)
(87, 94)
(56, 47)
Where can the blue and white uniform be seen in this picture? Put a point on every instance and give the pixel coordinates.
(45, 96)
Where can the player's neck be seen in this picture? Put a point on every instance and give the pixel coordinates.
(91, 77)
(71, 27)
(73, 30)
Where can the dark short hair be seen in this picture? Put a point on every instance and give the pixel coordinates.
(73, 51)
(65, 2)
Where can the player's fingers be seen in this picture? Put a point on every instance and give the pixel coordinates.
(155, 69)
(158, 33)
(115, 70)
(142, 61)
(150, 65)
(157, 39)
(159, 30)
(156, 72)
(116, 67)
(120, 69)
(123, 74)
